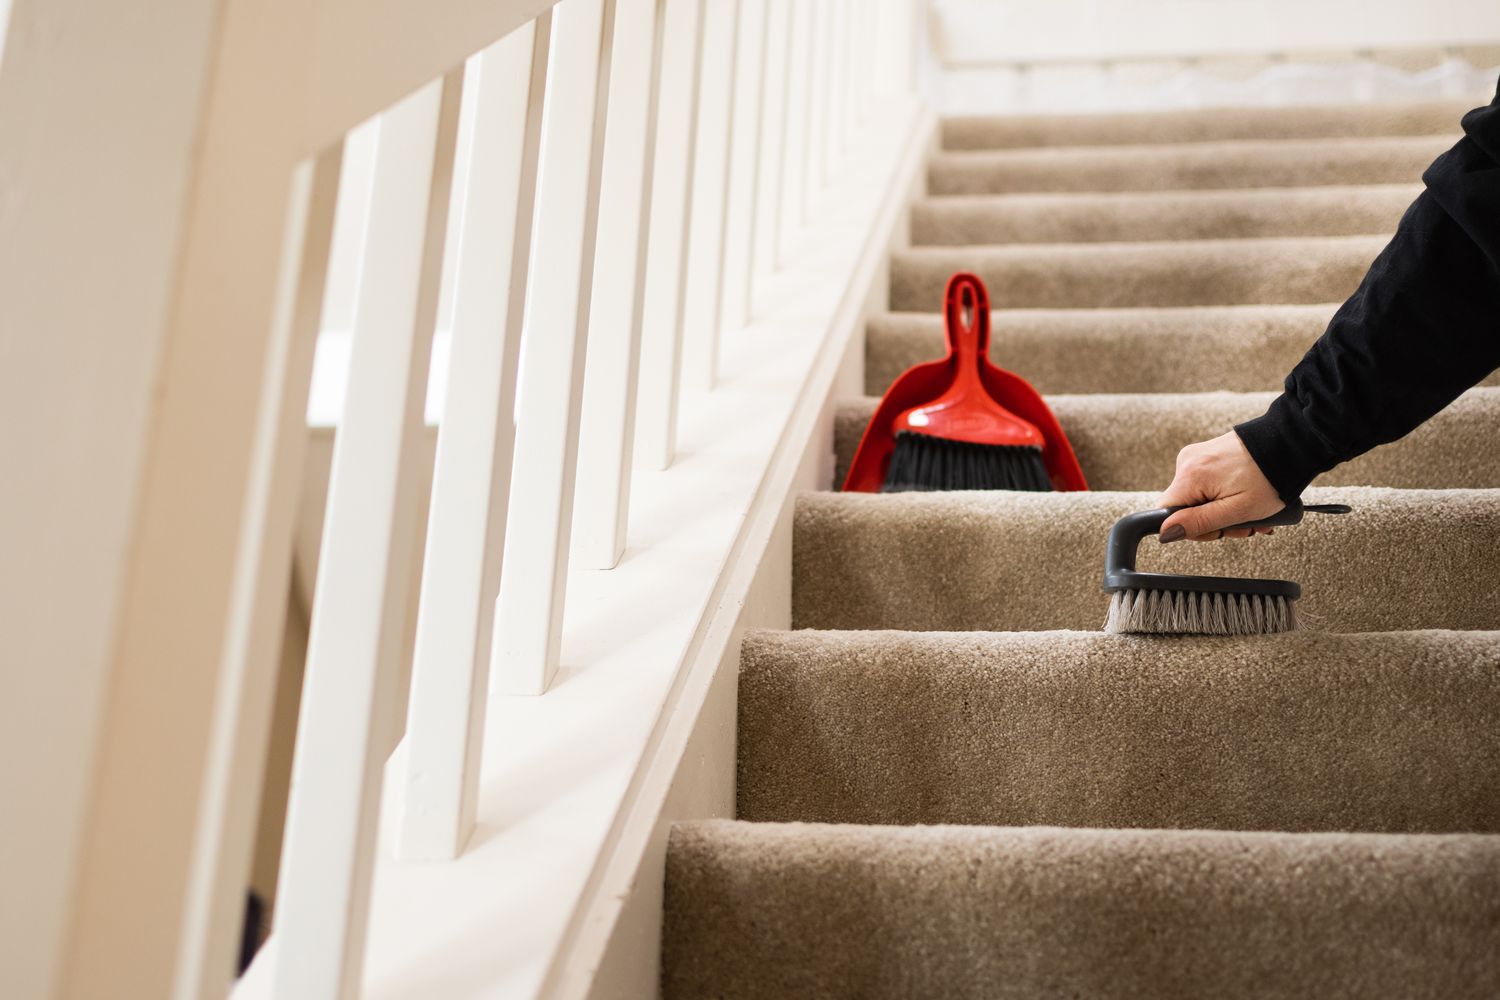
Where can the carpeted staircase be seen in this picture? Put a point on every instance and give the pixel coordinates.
(952, 785)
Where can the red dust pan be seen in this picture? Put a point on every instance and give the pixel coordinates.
(962, 423)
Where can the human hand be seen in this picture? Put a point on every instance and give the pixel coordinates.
(1217, 484)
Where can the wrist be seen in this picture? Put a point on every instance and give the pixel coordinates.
(1289, 454)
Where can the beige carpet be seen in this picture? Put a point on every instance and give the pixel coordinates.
(1130, 441)
(1304, 122)
(1314, 814)
(1290, 163)
(1405, 559)
(772, 912)
(1393, 732)
(1290, 270)
(1169, 215)
(1146, 349)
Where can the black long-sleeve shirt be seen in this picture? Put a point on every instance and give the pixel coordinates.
(1423, 326)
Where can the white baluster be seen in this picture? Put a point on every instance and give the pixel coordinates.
(775, 116)
(700, 311)
(799, 101)
(343, 732)
(838, 69)
(609, 385)
(533, 581)
(501, 132)
(241, 723)
(819, 90)
(671, 192)
(744, 164)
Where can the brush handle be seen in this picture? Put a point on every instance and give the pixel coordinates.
(1128, 531)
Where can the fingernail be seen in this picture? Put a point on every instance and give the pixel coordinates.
(1173, 534)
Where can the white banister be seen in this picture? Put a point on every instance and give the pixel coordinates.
(799, 100)
(775, 116)
(746, 136)
(345, 727)
(609, 386)
(700, 312)
(500, 134)
(671, 186)
(533, 580)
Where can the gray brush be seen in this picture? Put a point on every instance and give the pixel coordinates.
(1172, 604)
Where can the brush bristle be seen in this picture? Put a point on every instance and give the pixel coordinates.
(1187, 612)
(922, 462)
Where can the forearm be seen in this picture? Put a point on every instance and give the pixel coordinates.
(1423, 326)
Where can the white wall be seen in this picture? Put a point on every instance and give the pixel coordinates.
(989, 56)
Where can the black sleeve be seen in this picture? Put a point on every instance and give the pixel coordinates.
(1423, 326)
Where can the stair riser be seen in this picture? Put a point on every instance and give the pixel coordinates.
(762, 912)
(1406, 559)
(1200, 167)
(1439, 117)
(1233, 349)
(1203, 273)
(1339, 211)
(1130, 442)
(1397, 732)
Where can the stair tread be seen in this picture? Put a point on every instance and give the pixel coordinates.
(954, 220)
(1290, 163)
(1129, 441)
(1206, 124)
(1266, 270)
(1395, 732)
(1004, 561)
(758, 910)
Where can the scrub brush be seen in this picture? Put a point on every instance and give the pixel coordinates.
(1166, 603)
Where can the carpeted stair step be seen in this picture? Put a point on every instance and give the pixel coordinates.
(1206, 124)
(1130, 441)
(758, 911)
(1173, 215)
(1004, 561)
(1289, 270)
(1148, 349)
(1395, 732)
(1287, 163)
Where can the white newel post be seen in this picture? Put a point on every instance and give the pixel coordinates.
(533, 581)
(602, 508)
(671, 193)
(343, 732)
(500, 132)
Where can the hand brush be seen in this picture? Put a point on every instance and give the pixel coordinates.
(1166, 603)
(962, 423)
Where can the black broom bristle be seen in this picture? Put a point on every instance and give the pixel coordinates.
(924, 462)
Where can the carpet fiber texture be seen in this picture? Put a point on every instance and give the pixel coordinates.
(1171, 215)
(760, 911)
(1146, 349)
(1130, 441)
(1394, 732)
(1195, 166)
(1295, 270)
(1405, 559)
(1306, 122)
